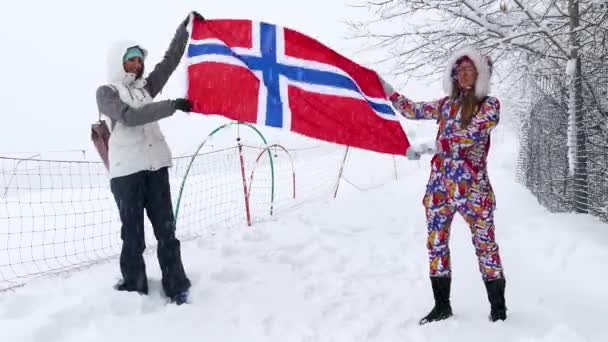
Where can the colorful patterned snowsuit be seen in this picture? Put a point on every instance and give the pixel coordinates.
(458, 181)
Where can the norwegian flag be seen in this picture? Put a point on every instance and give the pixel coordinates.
(262, 73)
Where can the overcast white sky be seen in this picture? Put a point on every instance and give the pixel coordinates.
(53, 59)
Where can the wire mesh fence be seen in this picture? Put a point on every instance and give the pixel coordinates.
(58, 216)
(563, 161)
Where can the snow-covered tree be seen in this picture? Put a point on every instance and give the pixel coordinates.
(534, 43)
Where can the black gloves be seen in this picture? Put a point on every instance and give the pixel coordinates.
(196, 15)
(182, 104)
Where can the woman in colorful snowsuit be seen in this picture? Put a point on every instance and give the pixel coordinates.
(459, 178)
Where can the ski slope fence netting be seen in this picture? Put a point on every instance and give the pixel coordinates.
(59, 216)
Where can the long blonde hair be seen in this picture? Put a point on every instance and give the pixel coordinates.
(469, 106)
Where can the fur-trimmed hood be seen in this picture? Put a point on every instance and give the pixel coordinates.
(484, 71)
(115, 70)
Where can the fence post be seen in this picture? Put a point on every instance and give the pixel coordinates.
(244, 181)
(10, 180)
(395, 167)
(341, 171)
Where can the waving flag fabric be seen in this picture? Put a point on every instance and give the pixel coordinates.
(274, 76)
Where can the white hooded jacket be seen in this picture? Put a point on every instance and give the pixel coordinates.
(137, 143)
(140, 147)
(484, 71)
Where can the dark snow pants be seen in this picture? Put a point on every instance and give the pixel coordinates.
(133, 193)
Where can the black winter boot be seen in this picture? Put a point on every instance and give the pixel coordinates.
(140, 286)
(496, 295)
(441, 292)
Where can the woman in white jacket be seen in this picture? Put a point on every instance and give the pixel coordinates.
(139, 158)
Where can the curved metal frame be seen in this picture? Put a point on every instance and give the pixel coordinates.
(181, 190)
(293, 169)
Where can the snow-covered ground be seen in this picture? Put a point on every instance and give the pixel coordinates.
(350, 269)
